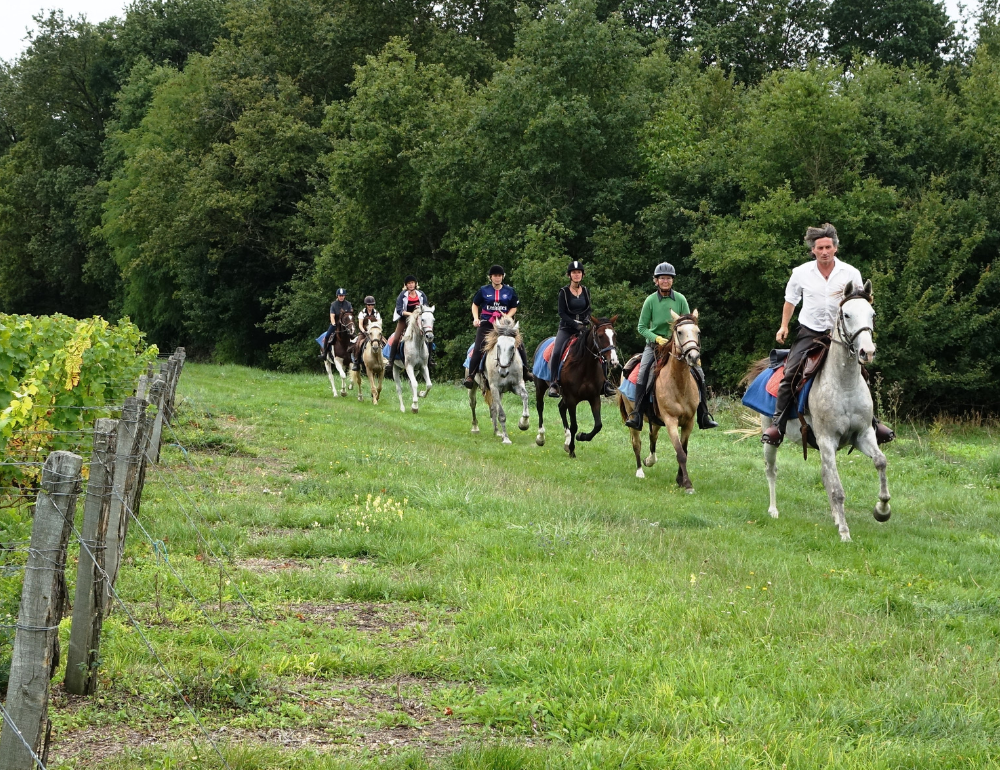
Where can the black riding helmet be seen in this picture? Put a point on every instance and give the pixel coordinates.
(575, 265)
(496, 270)
(341, 292)
(409, 278)
(369, 300)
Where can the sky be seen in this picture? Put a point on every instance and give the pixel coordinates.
(15, 17)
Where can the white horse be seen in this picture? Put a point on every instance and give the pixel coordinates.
(339, 354)
(840, 407)
(416, 348)
(373, 361)
(504, 374)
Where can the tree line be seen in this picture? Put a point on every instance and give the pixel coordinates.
(214, 169)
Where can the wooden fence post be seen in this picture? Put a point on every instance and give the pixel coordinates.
(36, 644)
(147, 450)
(159, 399)
(143, 386)
(88, 608)
(127, 461)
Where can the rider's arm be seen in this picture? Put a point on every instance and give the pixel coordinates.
(793, 296)
(645, 316)
(564, 313)
(510, 313)
(786, 316)
(333, 319)
(475, 314)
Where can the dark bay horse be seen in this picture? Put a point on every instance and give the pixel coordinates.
(582, 379)
(340, 353)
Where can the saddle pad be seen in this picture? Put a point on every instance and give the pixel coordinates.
(321, 339)
(633, 376)
(627, 389)
(468, 357)
(540, 366)
(759, 397)
(775, 381)
(547, 351)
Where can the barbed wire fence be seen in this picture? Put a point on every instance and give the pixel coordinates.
(122, 451)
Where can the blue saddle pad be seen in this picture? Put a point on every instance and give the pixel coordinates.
(468, 358)
(321, 339)
(758, 399)
(540, 367)
(627, 389)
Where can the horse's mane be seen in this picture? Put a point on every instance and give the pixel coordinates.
(412, 323)
(754, 371)
(664, 352)
(503, 328)
(859, 292)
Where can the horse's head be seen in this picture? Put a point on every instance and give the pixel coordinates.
(856, 322)
(504, 340)
(346, 320)
(686, 337)
(604, 334)
(374, 332)
(425, 317)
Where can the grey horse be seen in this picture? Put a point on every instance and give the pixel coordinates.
(504, 374)
(417, 340)
(840, 408)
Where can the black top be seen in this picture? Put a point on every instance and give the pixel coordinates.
(573, 308)
(494, 303)
(339, 307)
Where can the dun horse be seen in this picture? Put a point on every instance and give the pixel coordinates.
(840, 407)
(339, 353)
(582, 379)
(676, 394)
(372, 359)
(503, 374)
(416, 348)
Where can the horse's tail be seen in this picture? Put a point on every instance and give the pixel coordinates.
(621, 406)
(754, 371)
(488, 397)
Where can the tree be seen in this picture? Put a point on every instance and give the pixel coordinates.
(895, 31)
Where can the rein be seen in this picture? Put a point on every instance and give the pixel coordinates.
(848, 340)
(687, 346)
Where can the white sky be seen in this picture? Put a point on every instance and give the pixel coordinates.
(15, 17)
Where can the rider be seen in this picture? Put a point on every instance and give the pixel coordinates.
(368, 316)
(491, 303)
(407, 301)
(574, 315)
(819, 286)
(339, 305)
(654, 325)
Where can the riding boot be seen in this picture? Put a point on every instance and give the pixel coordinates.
(705, 420)
(554, 389)
(608, 389)
(634, 420)
(883, 433)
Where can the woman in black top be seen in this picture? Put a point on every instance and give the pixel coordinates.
(574, 315)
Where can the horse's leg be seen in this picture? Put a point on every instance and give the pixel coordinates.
(498, 401)
(329, 373)
(654, 434)
(472, 406)
(571, 431)
(675, 439)
(339, 363)
(540, 408)
(427, 377)
(399, 386)
(595, 408)
(355, 376)
(682, 475)
(522, 391)
(867, 444)
(770, 469)
(831, 480)
(564, 415)
(413, 386)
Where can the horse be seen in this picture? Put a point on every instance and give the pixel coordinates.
(339, 353)
(840, 407)
(582, 379)
(416, 348)
(503, 374)
(676, 394)
(372, 359)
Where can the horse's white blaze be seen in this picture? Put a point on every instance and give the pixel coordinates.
(611, 343)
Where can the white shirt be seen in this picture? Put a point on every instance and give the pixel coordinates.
(820, 297)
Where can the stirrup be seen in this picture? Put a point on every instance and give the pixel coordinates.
(469, 382)
(706, 422)
(768, 436)
(553, 391)
(634, 420)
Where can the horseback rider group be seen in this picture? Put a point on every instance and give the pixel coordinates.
(818, 285)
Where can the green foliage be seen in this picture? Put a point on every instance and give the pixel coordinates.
(895, 31)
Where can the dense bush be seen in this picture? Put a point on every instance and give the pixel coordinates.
(217, 187)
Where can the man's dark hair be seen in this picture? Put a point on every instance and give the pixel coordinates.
(827, 230)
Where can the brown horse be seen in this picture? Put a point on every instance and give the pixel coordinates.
(339, 354)
(582, 379)
(676, 396)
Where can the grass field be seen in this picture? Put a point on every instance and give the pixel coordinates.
(430, 598)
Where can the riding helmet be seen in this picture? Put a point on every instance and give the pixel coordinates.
(664, 268)
(497, 270)
(409, 278)
(341, 292)
(369, 300)
(575, 265)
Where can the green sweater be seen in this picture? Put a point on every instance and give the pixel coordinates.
(655, 320)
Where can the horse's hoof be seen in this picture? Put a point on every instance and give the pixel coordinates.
(639, 474)
(582, 437)
(507, 440)
(422, 394)
(475, 429)
(773, 512)
(845, 537)
(539, 440)
(523, 425)
(413, 409)
(650, 461)
(567, 449)
(689, 491)
(880, 516)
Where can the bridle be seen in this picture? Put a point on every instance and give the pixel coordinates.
(846, 339)
(345, 328)
(513, 352)
(692, 344)
(592, 346)
(427, 329)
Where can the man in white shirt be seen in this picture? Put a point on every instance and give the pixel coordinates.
(819, 286)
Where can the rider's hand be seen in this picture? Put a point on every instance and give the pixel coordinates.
(476, 322)
(661, 340)
(782, 334)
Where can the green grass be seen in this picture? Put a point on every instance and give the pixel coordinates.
(537, 611)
